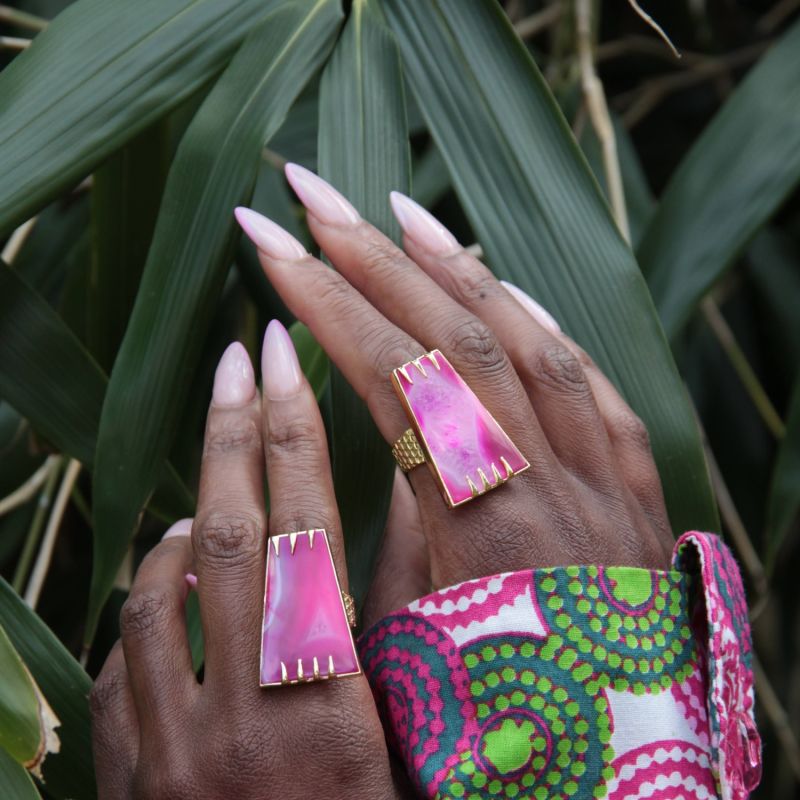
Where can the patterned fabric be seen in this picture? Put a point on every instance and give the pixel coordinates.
(574, 682)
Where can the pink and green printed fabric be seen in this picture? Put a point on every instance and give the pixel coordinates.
(575, 682)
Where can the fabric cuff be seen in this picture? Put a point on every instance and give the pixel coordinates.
(574, 682)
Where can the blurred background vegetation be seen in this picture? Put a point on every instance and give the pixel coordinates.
(128, 131)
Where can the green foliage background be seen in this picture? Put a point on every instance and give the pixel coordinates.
(129, 131)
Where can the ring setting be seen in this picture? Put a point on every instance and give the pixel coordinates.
(306, 631)
(466, 449)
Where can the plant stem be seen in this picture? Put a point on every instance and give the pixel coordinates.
(42, 565)
(16, 240)
(14, 43)
(541, 20)
(598, 113)
(12, 16)
(748, 377)
(32, 539)
(28, 489)
(654, 25)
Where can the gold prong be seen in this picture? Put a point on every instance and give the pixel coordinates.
(404, 372)
(417, 362)
(284, 673)
(331, 670)
(432, 358)
(484, 479)
(509, 471)
(299, 669)
(497, 476)
(311, 539)
(472, 487)
(292, 542)
(316, 669)
(276, 544)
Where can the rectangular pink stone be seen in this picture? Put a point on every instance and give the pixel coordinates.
(466, 449)
(305, 635)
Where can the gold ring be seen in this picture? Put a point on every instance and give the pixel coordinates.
(407, 451)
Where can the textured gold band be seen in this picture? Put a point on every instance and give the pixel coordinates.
(407, 452)
(349, 609)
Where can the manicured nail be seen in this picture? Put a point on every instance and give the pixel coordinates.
(234, 380)
(268, 236)
(421, 226)
(183, 527)
(191, 580)
(320, 198)
(541, 315)
(280, 368)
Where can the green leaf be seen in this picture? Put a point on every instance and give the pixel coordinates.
(214, 170)
(313, 359)
(125, 195)
(69, 773)
(542, 222)
(783, 503)
(102, 71)
(363, 151)
(735, 176)
(16, 783)
(47, 375)
(23, 728)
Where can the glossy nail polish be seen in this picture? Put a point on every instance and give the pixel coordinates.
(280, 368)
(320, 198)
(421, 226)
(234, 380)
(191, 580)
(183, 527)
(268, 236)
(541, 315)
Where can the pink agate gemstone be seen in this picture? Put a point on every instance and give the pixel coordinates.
(469, 452)
(306, 635)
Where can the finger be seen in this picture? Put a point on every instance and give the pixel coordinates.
(153, 631)
(115, 728)
(298, 467)
(366, 348)
(230, 527)
(375, 266)
(402, 572)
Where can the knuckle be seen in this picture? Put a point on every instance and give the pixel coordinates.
(291, 437)
(555, 366)
(230, 536)
(629, 427)
(476, 344)
(232, 433)
(143, 612)
(476, 283)
(107, 693)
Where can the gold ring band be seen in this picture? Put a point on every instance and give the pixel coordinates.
(407, 452)
(350, 609)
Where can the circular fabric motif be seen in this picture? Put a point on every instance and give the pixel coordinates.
(539, 733)
(618, 627)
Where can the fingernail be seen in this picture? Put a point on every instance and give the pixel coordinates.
(234, 380)
(183, 527)
(541, 315)
(280, 368)
(191, 580)
(421, 226)
(320, 198)
(268, 236)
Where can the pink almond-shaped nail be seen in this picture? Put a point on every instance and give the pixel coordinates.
(320, 198)
(421, 226)
(183, 527)
(191, 580)
(280, 369)
(541, 315)
(268, 236)
(234, 380)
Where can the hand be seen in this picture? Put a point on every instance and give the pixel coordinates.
(592, 494)
(158, 733)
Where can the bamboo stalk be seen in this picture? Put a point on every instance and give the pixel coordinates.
(739, 362)
(42, 565)
(598, 114)
(22, 19)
